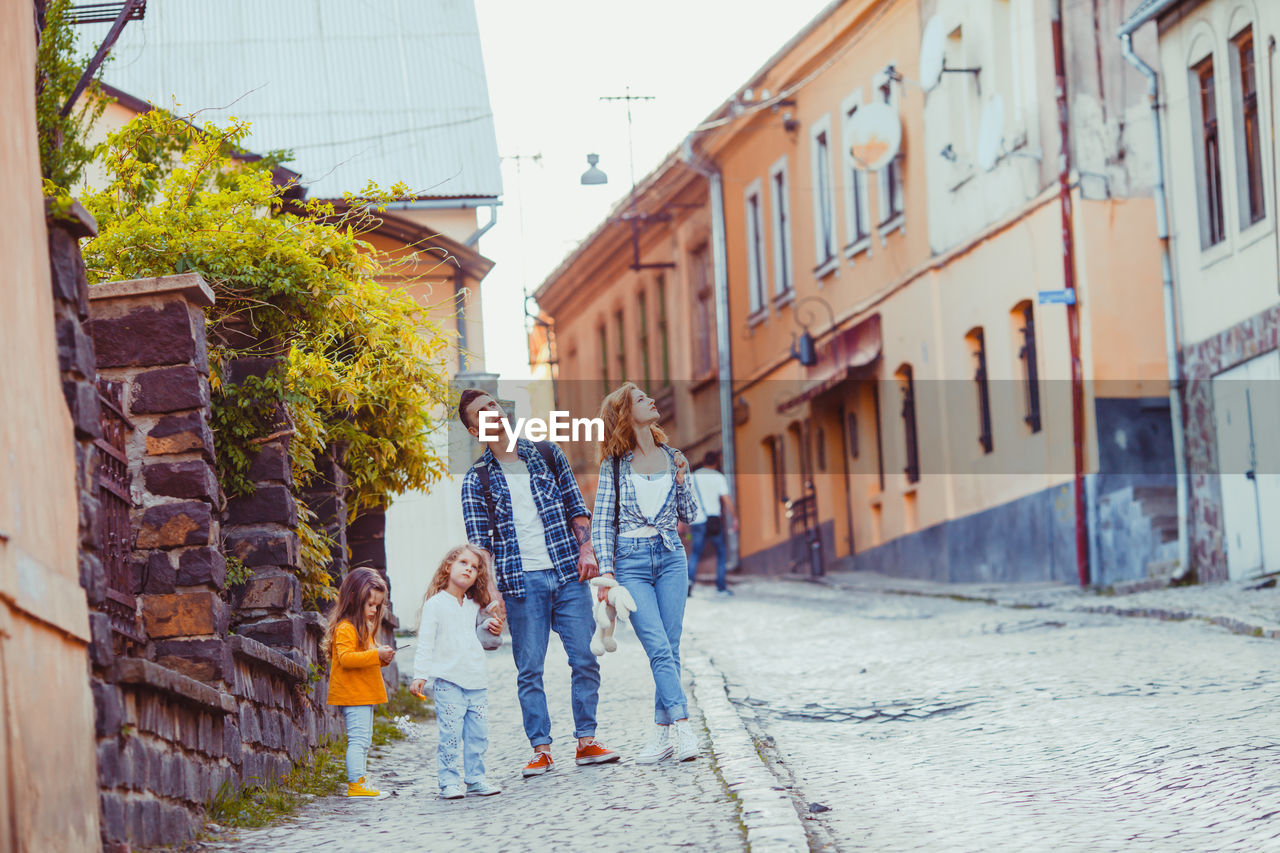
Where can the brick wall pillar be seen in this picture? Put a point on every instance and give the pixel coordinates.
(149, 335)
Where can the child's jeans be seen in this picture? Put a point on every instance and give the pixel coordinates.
(463, 718)
(359, 719)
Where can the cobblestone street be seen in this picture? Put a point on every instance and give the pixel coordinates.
(927, 723)
(624, 806)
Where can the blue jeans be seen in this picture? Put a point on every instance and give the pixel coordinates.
(566, 609)
(700, 539)
(359, 720)
(463, 719)
(656, 579)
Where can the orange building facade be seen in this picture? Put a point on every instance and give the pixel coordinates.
(901, 399)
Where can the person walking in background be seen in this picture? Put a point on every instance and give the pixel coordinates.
(711, 489)
(524, 507)
(642, 493)
(450, 659)
(355, 668)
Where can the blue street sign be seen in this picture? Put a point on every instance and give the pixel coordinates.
(1057, 297)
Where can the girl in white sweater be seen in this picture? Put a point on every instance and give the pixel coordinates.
(450, 658)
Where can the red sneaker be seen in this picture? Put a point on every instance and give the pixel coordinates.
(540, 764)
(594, 752)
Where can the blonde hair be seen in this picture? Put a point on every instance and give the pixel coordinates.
(479, 591)
(619, 426)
(356, 588)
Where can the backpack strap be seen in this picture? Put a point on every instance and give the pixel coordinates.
(482, 471)
(548, 456)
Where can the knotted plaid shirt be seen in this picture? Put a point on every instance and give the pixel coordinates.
(680, 505)
(558, 499)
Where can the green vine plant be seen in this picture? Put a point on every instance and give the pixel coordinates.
(361, 365)
(65, 149)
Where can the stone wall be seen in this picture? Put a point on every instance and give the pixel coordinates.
(219, 691)
(1200, 363)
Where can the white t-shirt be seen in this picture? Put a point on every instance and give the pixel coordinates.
(448, 647)
(530, 535)
(710, 486)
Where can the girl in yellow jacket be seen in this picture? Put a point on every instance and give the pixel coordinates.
(355, 667)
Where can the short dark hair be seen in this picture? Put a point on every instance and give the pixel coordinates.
(464, 402)
(711, 460)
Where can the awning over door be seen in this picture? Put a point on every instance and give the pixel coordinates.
(850, 354)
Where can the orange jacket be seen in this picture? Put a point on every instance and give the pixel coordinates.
(355, 674)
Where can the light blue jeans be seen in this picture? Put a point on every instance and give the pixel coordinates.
(359, 720)
(659, 582)
(463, 719)
(565, 608)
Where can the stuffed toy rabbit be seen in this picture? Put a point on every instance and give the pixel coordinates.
(618, 603)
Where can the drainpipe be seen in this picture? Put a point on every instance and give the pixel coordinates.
(484, 229)
(1171, 340)
(1069, 282)
(719, 258)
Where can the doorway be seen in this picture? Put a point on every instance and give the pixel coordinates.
(1246, 406)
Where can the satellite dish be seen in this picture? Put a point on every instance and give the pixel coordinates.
(991, 133)
(932, 45)
(875, 136)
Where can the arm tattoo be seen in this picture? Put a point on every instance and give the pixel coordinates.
(581, 532)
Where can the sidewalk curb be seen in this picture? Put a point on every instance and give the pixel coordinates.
(770, 819)
(1230, 623)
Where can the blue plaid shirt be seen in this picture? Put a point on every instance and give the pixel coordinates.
(558, 500)
(680, 505)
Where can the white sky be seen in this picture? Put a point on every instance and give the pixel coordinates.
(548, 63)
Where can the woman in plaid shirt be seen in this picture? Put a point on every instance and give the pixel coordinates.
(633, 530)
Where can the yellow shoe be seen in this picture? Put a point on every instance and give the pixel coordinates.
(359, 789)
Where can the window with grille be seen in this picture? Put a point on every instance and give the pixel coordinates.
(644, 340)
(781, 191)
(704, 312)
(755, 249)
(1212, 227)
(1248, 135)
(978, 347)
(663, 333)
(906, 381)
(1026, 325)
(858, 220)
(622, 344)
(824, 213)
(604, 356)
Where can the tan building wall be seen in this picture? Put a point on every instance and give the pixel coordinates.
(48, 787)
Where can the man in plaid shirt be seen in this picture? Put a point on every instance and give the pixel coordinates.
(542, 558)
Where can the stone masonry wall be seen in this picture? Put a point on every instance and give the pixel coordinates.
(195, 709)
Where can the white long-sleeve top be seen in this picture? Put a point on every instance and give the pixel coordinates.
(448, 647)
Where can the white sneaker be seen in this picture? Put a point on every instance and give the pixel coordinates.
(658, 747)
(686, 741)
(451, 792)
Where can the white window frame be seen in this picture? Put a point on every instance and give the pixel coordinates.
(780, 220)
(753, 216)
(826, 246)
(1239, 23)
(890, 220)
(857, 203)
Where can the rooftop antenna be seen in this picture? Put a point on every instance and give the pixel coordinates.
(628, 98)
(636, 219)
